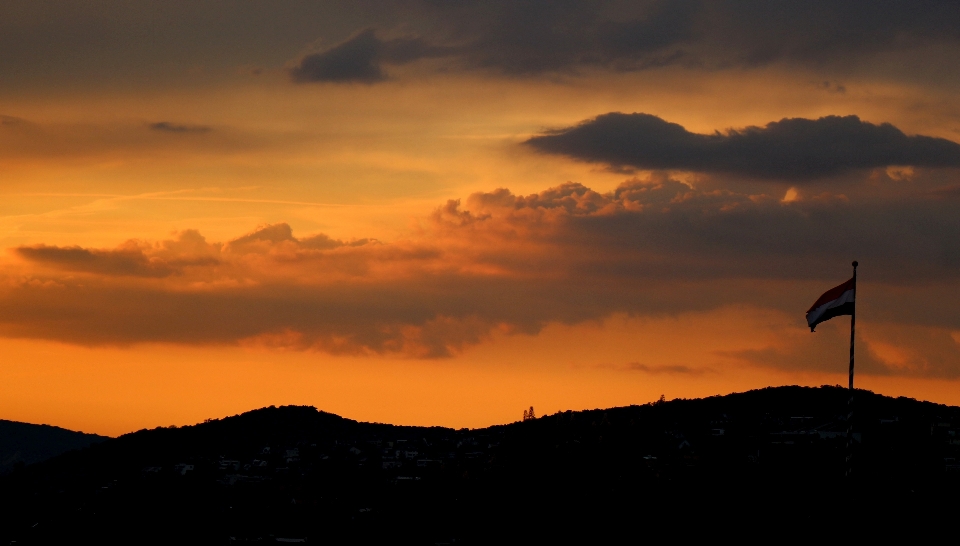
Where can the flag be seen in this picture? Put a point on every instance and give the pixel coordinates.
(833, 303)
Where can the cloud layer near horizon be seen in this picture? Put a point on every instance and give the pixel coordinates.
(790, 149)
(502, 262)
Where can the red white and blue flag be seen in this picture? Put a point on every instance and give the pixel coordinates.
(835, 302)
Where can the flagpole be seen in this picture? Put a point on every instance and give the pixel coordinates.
(853, 323)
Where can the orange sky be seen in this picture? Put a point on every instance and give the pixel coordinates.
(190, 229)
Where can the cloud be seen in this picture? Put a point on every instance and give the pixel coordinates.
(132, 259)
(533, 37)
(530, 38)
(168, 127)
(355, 60)
(32, 144)
(821, 33)
(360, 59)
(274, 237)
(799, 351)
(790, 149)
(10, 121)
(276, 233)
(666, 369)
(889, 349)
(516, 37)
(501, 262)
(832, 87)
(129, 261)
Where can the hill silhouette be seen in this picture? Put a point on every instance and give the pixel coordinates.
(754, 461)
(24, 443)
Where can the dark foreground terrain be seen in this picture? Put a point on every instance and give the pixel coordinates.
(761, 465)
(23, 443)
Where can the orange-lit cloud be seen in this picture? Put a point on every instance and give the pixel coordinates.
(499, 263)
(130, 259)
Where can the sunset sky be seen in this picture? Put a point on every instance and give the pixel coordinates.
(444, 212)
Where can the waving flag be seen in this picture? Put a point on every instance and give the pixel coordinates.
(835, 302)
(840, 300)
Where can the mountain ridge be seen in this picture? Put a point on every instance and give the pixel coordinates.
(296, 471)
(27, 443)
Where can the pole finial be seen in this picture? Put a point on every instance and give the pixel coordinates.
(855, 263)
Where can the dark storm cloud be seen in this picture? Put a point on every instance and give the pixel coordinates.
(520, 38)
(45, 41)
(821, 32)
(356, 60)
(792, 148)
(533, 36)
(359, 59)
(529, 37)
(169, 127)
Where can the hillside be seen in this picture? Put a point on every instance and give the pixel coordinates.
(23, 443)
(299, 473)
